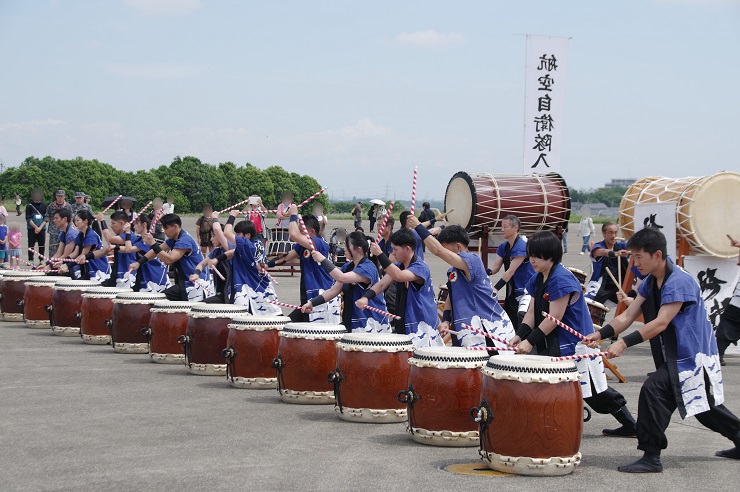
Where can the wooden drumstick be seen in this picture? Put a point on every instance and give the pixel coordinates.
(619, 271)
(619, 285)
(442, 216)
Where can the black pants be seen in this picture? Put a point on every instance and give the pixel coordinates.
(34, 239)
(511, 306)
(217, 299)
(728, 330)
(657, 404)
(607, 402)
(176, 293)
(372, 224)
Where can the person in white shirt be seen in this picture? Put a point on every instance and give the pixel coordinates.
(585, 229)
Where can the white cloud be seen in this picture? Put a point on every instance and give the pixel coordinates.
(163, 7)
(153, 70)
(363, 128)
(29, 125)
(430, 38)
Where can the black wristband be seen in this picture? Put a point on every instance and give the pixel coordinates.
(422, 231)
(222, 257)
(632, 293)
(523, 331)
(328, 265)
(607, 331)
(369, 294)
(156, 248)
(90, 256)
(633, 338)
(231, 220)
(103, 225)
(611, 254)
(143, 260)
(447, 316)
(536, 337)
(384, 261)
(271, 264)
(432, 222)
(198, 271)
(116, 248)
(318, 300)
(127, 237)
(294, 218)
(500, 284)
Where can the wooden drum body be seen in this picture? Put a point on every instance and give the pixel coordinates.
(598, 312)
(96, 312)
(130, 321)
(307, 352)
(251, 348)
(206, 336)
(12, 290)
(707, 208)
(168, 322)
(37, 299)
(541, 201)
(66, 306)
(444, 383)
(371, 370)
(531, 415)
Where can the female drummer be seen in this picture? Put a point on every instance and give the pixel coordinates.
(151, 276)
(89, 252)
(353, 280)
(557, 291)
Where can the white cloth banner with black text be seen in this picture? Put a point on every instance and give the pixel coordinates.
(717, 278)
(662, 216)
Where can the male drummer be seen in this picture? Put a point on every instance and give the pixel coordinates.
(314, 279)
(611, 254)
(688, 374)
(415, 302)
(728, 330)
(117, 239)
(512, 255)
(471, 299)
(67, 235)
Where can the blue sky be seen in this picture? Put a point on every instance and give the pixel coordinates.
(356, 94)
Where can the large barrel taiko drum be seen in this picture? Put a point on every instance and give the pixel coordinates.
(66, 305)
(371, 370)
(251, 348)
(540, 201)
(444, 384)
(168, 322)
(37, 299)
(12, 290)
(206, 337)
(130, 319)
(707, 209)
(530, 415)
(96, 312)
(307, 352)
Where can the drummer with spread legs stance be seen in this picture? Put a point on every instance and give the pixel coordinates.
(688, 374)
(728, 330)
(556, 290)
(471, 298)
(512, 255)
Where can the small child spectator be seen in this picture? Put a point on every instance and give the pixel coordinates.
(3, 240)
(14, 246)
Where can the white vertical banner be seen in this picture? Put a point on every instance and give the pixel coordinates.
(717, 278)
(544, 102)
(662, 216)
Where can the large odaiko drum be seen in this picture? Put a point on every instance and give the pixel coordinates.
(131, 313)
(96, 313)
(530, 415)
(12, 290)
(251, 347)
(37, 299)
(206, 336)
(707, 209)
(66, 305)
(444, 384)
(541, 201)
(306, 354)
(168, 322)
(371, 370)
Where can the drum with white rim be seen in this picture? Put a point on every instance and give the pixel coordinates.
(580, 275)
(597, 311)
(37, 299)
(131, 314)
(706, 209)
(96, 312)
(444, 383)
(307, 352)
(530, 415)
(251, 347)
(12, 290)
(167, 323)
(206, 335)
(371, 370)
(66, 304)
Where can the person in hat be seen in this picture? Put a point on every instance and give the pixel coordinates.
(59, 203)
(79, 204)
(35, 214)
(87, 199)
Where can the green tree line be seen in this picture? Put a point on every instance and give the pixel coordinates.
(609, 196)
(189, 181)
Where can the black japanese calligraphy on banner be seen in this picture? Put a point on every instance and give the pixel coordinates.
(717, 278)
(545, 98)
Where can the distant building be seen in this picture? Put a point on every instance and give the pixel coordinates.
(620, 183)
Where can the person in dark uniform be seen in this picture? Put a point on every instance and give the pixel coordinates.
(35, 213)
(728, 330)
(611, 254)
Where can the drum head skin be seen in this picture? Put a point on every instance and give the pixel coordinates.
(461, 197)
(448, 358)
(380, 342)
(714, 211)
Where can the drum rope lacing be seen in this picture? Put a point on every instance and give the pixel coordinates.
(409, 397)
(439, 358)
(536, 370)
(336, 377)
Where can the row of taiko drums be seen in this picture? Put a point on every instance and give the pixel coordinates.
(524, 411)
